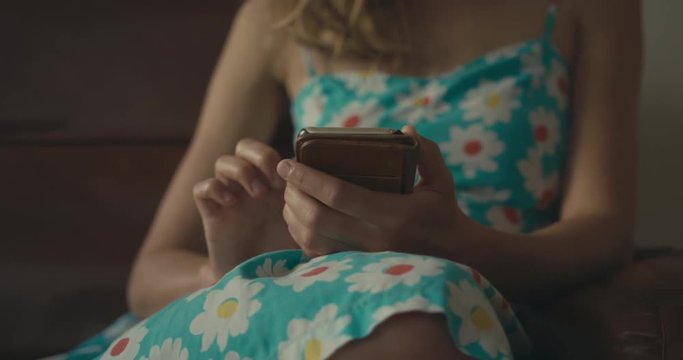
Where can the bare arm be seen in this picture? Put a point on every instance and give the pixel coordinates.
(244, 99)
(595, 230)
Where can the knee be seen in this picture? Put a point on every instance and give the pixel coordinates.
(412, 335)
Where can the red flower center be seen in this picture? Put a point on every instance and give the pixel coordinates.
(473, 147)
(315, 271)
(477, 276)
(399, 269)
(512, 215)
(425, 101)
(541, 133)
(547, 197)
(119, 347)
(352, 121)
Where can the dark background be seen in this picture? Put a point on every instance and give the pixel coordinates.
(97, 103)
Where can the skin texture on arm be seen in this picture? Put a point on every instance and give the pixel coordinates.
(244, 99)
(595, 231)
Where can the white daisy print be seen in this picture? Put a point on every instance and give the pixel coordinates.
(315, 339)
(544, 188)
(268, 269)
(388, 272)
(365, 82)
(120, 326)
(557, 83)
(546, 130)
(532, 63)
(127, 346)
(550, 192)
(423, 103)
(505, 52)
(485, 194)
(313, 271)
(195, 294)
(505, 218)
(479, 321)
(358, 114)
(232, 355)
(226, 312)
(313, 107)
(491, 101)
(473, 148)
(170, 349)
(415, 303)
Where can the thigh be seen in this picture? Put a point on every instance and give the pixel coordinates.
(405, 336)
(346, 305)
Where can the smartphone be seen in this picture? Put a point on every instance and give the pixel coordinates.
(375, 158)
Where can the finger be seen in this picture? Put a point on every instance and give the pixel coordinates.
(212, 192)
(434, 174)
(327, 222)
(311, 243)
(229, 167)
(264, 157)
(337, 194)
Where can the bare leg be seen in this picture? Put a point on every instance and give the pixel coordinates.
(405, 336)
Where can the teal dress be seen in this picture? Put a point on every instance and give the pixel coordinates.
(501, 122)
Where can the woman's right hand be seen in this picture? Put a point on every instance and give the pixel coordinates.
(241, 207)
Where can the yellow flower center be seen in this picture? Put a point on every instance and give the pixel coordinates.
(227, 308)
(423, 101)
(481, 319)
(313, 350)
(493, 101)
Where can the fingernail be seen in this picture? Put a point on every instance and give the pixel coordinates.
(284, 168)
(257, 188)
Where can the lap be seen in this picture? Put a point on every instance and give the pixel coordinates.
(281, 305)
(404, 336)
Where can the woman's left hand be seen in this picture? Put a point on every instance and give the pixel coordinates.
(325, 214)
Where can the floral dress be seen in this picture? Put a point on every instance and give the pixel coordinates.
(501, 122)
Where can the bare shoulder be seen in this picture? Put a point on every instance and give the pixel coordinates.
(608, 14)
(609, 32)
(259, 12)
(254, 34)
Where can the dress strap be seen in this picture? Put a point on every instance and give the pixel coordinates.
(550, 21)
(308, 60)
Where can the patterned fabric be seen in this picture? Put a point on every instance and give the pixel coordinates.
(282, 306)
(501, 122)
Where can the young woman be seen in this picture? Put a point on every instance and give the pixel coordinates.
(527, 115)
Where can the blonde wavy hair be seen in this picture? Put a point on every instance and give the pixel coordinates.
(368, 29)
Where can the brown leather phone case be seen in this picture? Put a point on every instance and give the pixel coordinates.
(378, 159)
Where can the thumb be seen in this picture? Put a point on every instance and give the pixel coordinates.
(434, 174)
